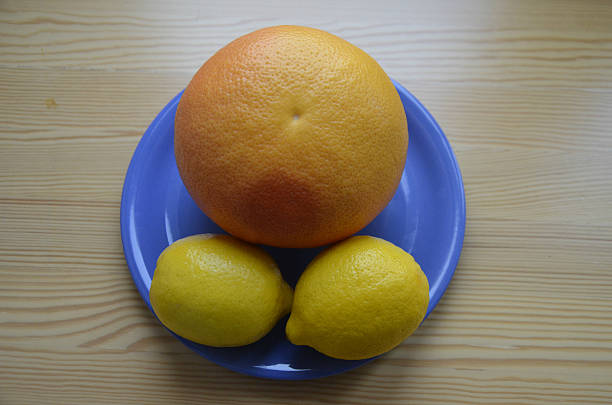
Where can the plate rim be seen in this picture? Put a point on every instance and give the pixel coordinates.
(128, 246)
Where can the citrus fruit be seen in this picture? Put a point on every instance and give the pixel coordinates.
(218, 291)
(290, 136)
(358, 299)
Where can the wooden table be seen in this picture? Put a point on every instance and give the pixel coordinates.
(523, 90)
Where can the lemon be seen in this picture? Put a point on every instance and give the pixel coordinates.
(218, 291)
(358, 299)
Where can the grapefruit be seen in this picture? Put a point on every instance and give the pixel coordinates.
(291, 136)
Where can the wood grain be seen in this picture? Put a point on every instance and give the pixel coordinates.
(522, 90)
(534, 43)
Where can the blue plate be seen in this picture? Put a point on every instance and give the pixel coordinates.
(426, 218)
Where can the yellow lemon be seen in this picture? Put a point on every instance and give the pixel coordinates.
(218, 291)
(358, 299)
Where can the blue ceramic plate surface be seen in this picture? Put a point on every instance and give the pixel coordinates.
(426, 218)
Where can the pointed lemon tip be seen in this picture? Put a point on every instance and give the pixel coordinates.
(286, 299)
(292, 331)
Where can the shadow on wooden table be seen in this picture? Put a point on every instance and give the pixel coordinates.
(193, 378)
(196, 377)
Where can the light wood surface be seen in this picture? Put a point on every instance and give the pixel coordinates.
(523, 90)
